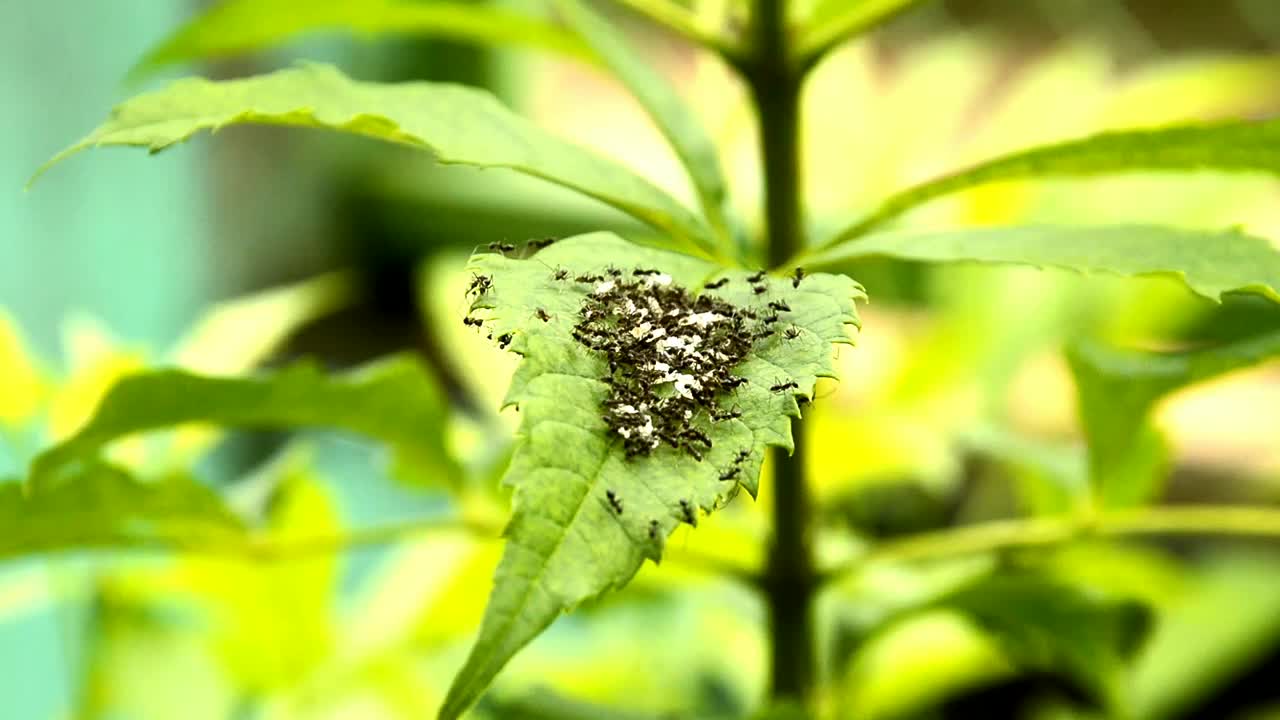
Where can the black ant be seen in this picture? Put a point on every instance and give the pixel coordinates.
(779, 306)
(653, 529)
(717, 284)
(763, 334)
(542, 315)
(698, 435)
(588, 278)
(733, 414)
(782, 387)
(504, 340)
(540, 244)
(470, 321)
(759, 289)
(743, 454)
(614, 501)
(756, 278)
(686, 509)
(503, 248)
(797, 277)
(641, 272)
(730, 474)
(480, 284)
(561, 274)
(770, 319)
(791, 333)
(613, 271)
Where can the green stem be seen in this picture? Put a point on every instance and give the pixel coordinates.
(789, 580)
(1221, 520)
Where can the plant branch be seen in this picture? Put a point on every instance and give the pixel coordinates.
(1222, 520)
(789, 582)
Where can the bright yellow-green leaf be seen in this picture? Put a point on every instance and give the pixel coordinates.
(236, 26)
(834, 21)
(1209, 262)
(22, 385)
(458, 125)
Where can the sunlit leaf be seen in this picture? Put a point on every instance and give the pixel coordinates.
(585, 514)
(22, 387)
(1117, 391)
(1251, 147)
(100, 506)
(391, 401)
(458, 125)
(677, 122)
(237, 26)
(1209, 262)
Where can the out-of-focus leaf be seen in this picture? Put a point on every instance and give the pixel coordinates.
(100, 506)
(22, 387)
(237, 26)
(1227, 618)
(567, 542)
(834, 21)
(548, 705)
(1048, 626)
(678, 124)
(1116, 391)
(237, 334)
(1252, 147)
(1209, 262)
(458, 125)
(393, 401)
(1048, 479)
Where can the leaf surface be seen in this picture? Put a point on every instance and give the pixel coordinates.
(392, 401)
(1116, 392)
(1250, 147)
(96, 505)
(237, 26)
(458, 125)
(1209, 262)
(585, 514)
(834, 21)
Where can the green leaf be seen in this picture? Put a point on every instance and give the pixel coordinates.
(458, 125)
(392, 401)
(1049, 626)
(237, 26)
(1251, 147)
(1116, 392)
(1209, 262)
(98, 506)
(835, 21)
(566, 541)
(656, 95)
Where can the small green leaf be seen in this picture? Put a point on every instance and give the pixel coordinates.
(1049, 626)
(1118, 389)
(585, 514)
(100, 506)
(237, 26)
(1251, 147)
(392, 401)
(835, 21)
(678, 124)
(1209, 262)
(458, 125)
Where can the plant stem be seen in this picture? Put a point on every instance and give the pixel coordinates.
(789, 578)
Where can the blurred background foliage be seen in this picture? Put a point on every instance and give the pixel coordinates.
(957, 407)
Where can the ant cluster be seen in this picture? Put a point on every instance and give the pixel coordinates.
(670, 356)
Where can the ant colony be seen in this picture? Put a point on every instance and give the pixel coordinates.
(670, 356)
